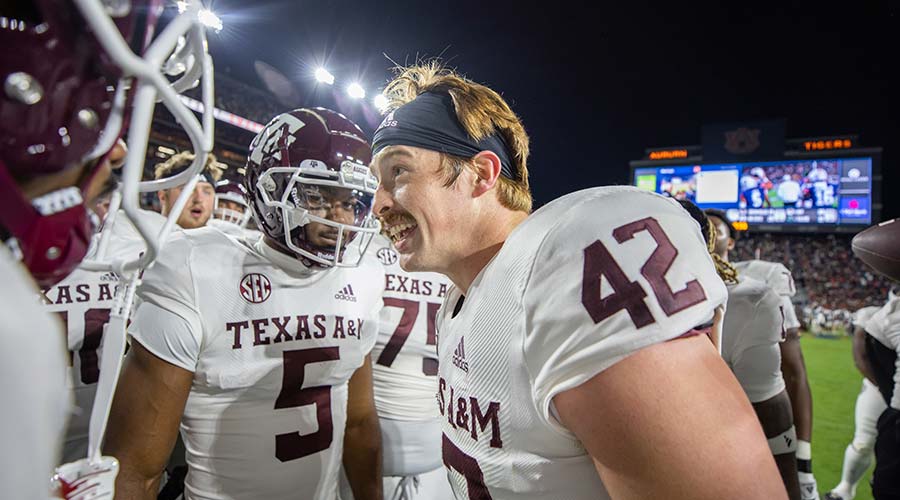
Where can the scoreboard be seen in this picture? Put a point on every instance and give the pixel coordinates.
(814, 185)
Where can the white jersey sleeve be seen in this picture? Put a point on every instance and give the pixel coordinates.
(884, 325)
(861, 316)
(603, 287)
(791, 321)
(168, 322)
(754, 327)
(32, 367)
(775, 275)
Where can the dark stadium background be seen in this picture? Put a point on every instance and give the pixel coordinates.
(595, 84)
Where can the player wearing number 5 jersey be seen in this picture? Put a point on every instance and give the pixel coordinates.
(568, 364)
(260, 347)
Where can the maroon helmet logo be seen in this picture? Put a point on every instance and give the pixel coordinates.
(742, 141)
(255, 288)
(387, 256)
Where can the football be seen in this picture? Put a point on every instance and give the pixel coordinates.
(879, 247)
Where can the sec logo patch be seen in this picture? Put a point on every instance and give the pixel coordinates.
(255, 288)
(387, 256)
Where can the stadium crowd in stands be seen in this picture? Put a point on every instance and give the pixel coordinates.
(831, 282)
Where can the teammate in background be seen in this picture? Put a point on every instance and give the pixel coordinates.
(231, 210)
(199, 208)
(404, 372)
(753, 329)
(869, 406)
(564, 370)
(260, 348)
(789, 191)
(778, 278)
(882, 342)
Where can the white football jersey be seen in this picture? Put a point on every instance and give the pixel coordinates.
(754, 326)
(404, 361)
(272, 346)
(35, 398)
(862, 315)
(83, 301)
(777, 277)
(233, 229)
(884, 325)
(582, 283)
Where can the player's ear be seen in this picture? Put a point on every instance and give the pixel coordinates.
(730, 244)
(487, 170)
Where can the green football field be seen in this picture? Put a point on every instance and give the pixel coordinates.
(835, 382)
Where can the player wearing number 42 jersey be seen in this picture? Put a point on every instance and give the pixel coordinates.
(260, 347)
(569, 361)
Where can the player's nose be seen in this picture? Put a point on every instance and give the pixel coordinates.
(383, 201)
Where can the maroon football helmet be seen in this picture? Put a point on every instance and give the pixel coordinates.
(304, 165)
(64, 104)
(227, 190)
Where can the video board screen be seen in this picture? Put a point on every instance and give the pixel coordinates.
(831, 191)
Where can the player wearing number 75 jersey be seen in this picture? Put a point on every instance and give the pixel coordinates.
(404, 371)
(569, 361)
(260, 347)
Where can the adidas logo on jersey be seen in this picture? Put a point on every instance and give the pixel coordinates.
(459, 356)
(346, 293)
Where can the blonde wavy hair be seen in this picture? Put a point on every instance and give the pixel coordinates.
(183, 160)
(482, 113)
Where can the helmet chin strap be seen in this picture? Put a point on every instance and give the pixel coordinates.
(52, 235)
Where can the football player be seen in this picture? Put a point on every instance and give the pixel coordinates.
(882, 343)
(260, 348)
(869, 406)
(199, 209)
(569, 360)
(778, 278)
(753, 329)
(404, 371)
(231, 211)
(68, 71)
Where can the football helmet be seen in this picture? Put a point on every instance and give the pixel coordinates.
(76, 74)
(234, 192)
(305, 166)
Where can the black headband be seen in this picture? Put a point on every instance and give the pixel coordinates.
(430, 122)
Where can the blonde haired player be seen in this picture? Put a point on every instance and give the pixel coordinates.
(568, 364)
(199, 208)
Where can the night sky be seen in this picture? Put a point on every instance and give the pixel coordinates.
(596, 85)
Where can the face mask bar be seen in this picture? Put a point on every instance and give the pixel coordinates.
(229, 215)
(150, 86)
(351, 177)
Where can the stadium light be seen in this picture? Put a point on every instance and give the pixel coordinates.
(323, 76)
(209, 19)
(206, 17)
(356, 91)
(380, 102)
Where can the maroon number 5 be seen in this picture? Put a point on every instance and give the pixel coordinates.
(293, 445)
(629, 295)
(455, 459)
(404, 328)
